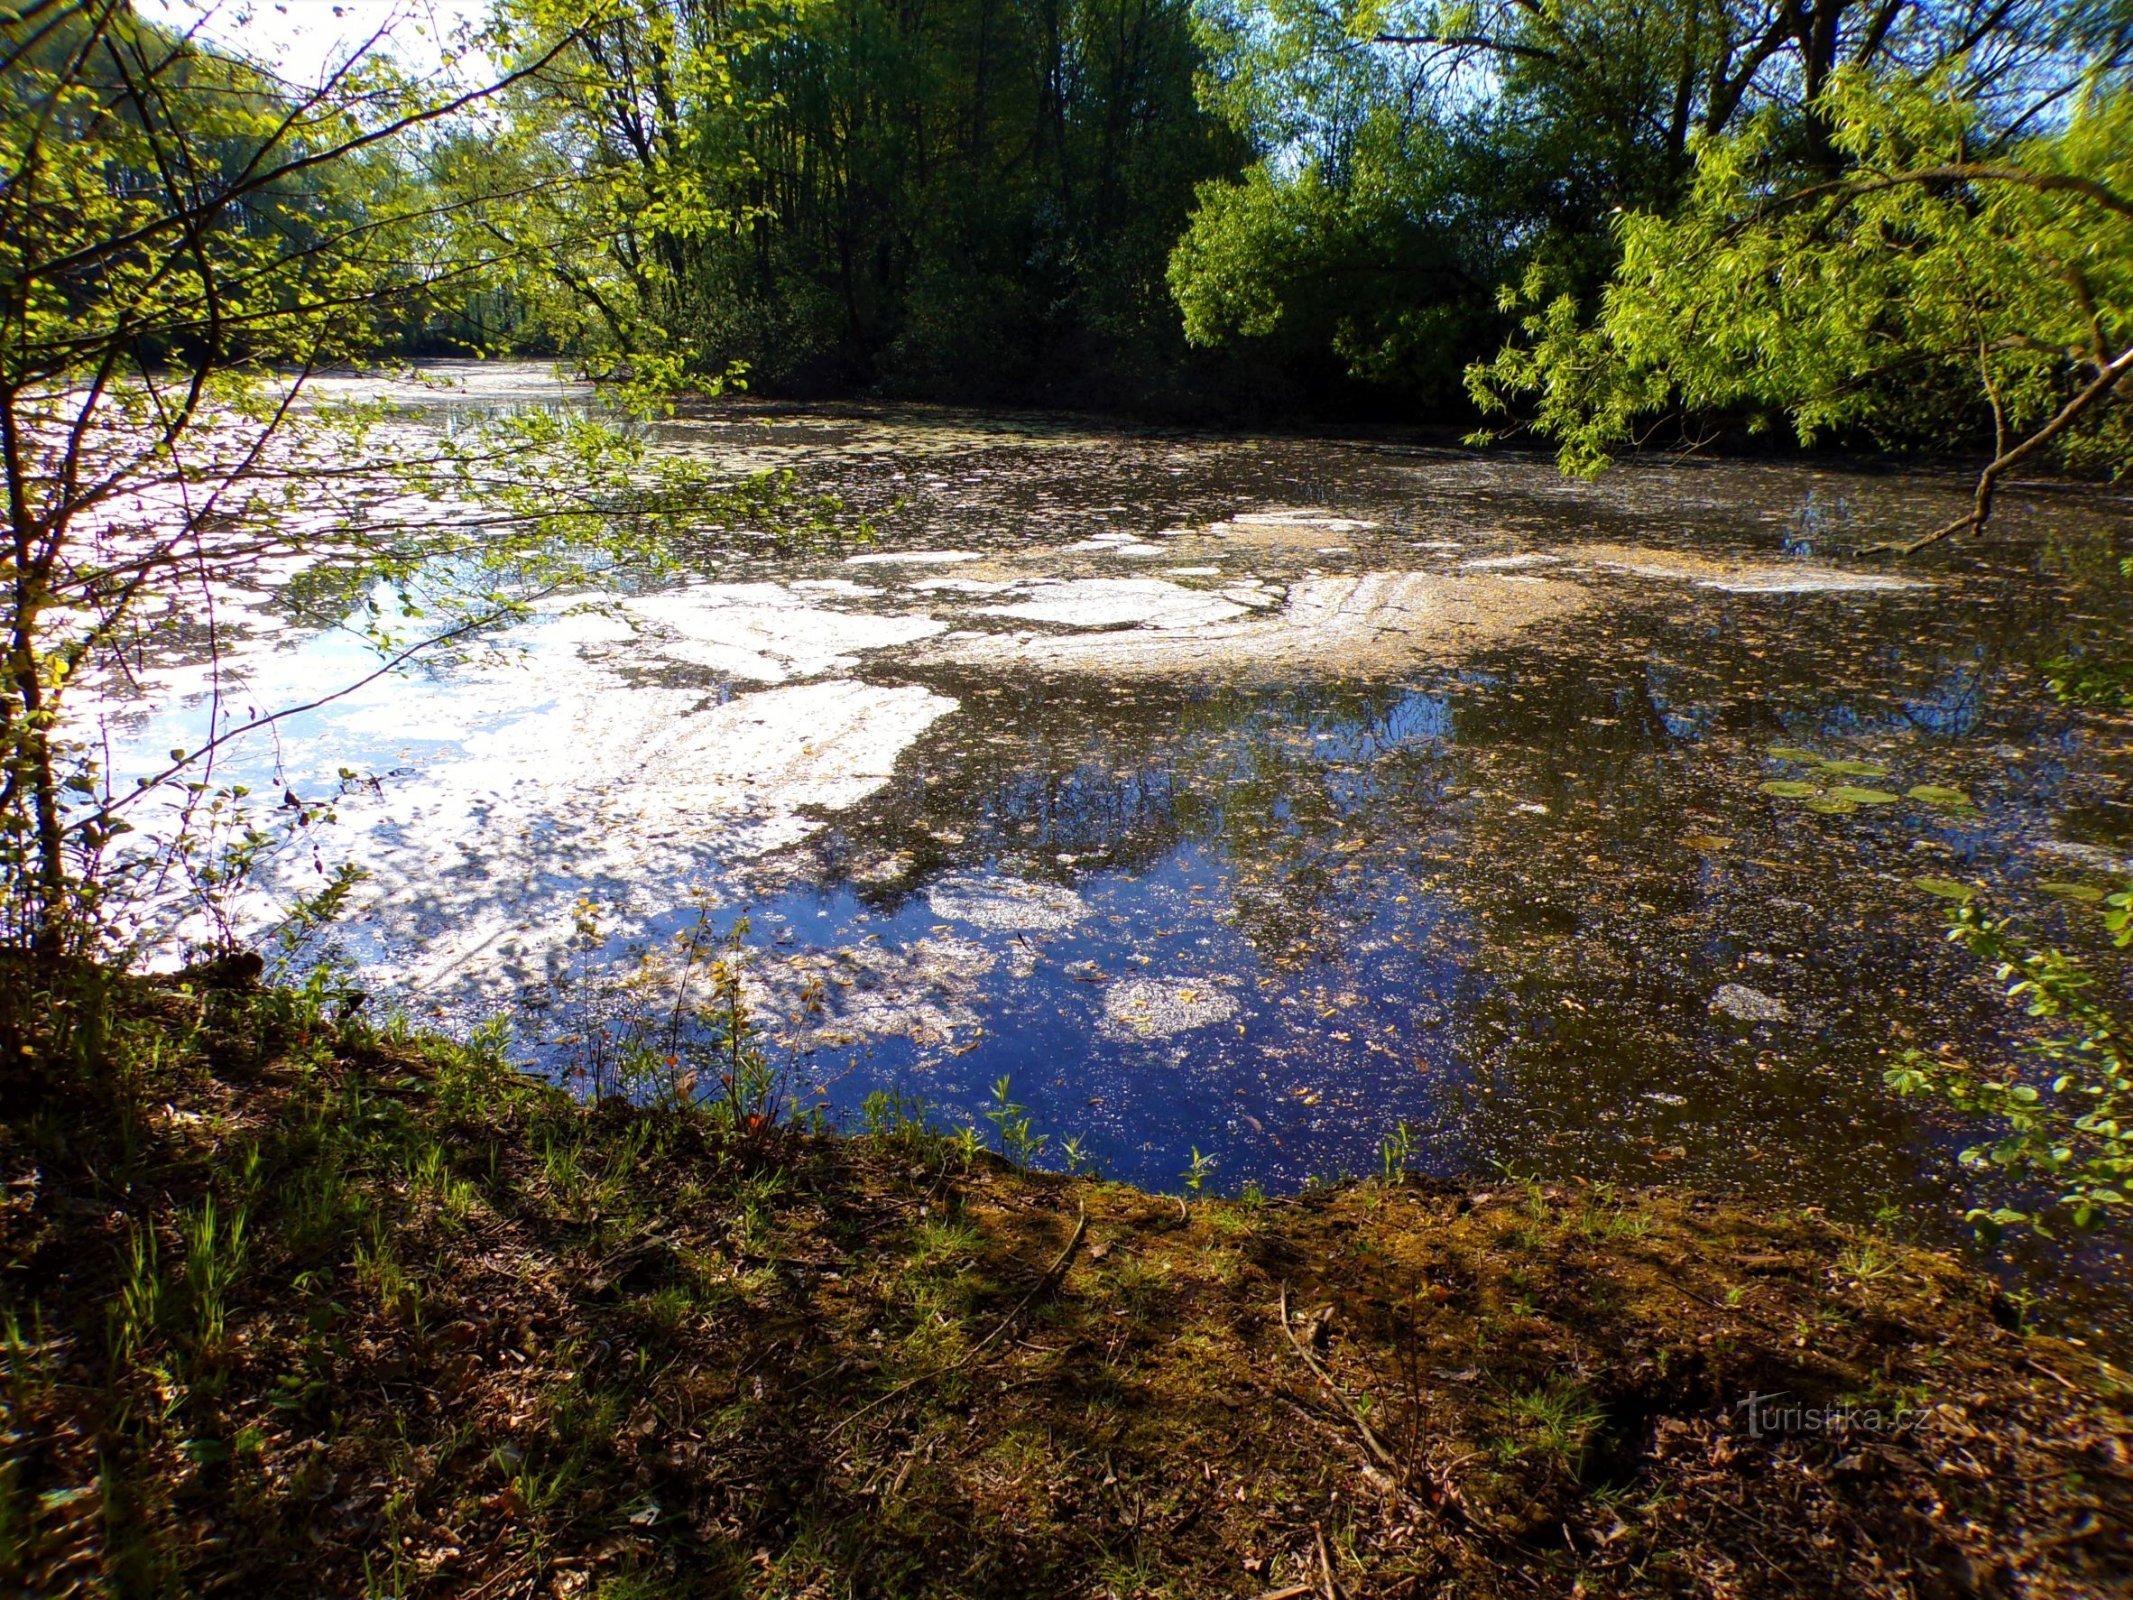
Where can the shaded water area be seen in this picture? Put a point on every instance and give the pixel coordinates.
(1256, 795)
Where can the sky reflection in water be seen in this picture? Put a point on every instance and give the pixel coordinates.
(1491, 897)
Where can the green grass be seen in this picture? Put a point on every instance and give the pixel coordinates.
(306, 1306)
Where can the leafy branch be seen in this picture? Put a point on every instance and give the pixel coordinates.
(2067, 1113)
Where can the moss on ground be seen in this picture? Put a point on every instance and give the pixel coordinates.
(290, 1304)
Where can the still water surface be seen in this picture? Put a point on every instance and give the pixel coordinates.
(1258, 795)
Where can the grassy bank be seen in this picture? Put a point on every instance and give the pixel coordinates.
(293, 1304)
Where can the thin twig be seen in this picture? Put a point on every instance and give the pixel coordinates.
(1988, 481)
(1371, 1442)
(1325, 1563)
(392, 664)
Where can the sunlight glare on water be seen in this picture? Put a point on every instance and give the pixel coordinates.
(1254, 795)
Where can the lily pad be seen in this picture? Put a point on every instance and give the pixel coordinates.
(1936, 794)
(1789, 789)
(1863, 797)
(2083, 893)
(1947, 888)
(1833, 805)
(1855, 769)
(1789, 752)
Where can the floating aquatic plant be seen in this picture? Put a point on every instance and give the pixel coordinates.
(1829, 791)
(2081, 893)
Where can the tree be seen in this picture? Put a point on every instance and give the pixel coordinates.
(1523, 130)
(184, 244)
(625, 145)
(1936, 261)
(969, 199)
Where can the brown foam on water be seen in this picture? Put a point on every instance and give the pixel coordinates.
(1373, 621)
(1738, 574)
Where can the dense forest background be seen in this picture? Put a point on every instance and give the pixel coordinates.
(1244, 208)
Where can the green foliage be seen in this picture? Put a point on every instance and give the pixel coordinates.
(2067, 1112)
(1012, 1122)
(892, 1114)
(1557, 1420)
(963, 200)
(1196, 1175)
(1913, 275)
(1419, 156)
(184, 247)
(679, 1030)
(2086, 681)
(214, 1256)
(1378, 265)
(1395, 1150)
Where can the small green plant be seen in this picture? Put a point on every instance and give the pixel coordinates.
(678, 1024)
(1559, 1420)
(139, 1307)
(755, 1212)
(1196, 1175)
(1011, 1118)
(942, 1241)
(750, 1081)
(430, 1177)
(378, 1268)
(311, 915)
(489, 1040)
(1394, 1152)
(892, 1114)
(1604, 1215)
(214, 1255)
(1865, 1263)
(1077, 1156)
(26, 1361)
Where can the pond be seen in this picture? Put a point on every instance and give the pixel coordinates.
(1255, 796)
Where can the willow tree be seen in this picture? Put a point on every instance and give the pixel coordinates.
(1931, 262)
(185, 244)
(1418, 155)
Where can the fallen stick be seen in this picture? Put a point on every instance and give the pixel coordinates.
(1371, 1442)
(1325, 1563)
(1445, 1494)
